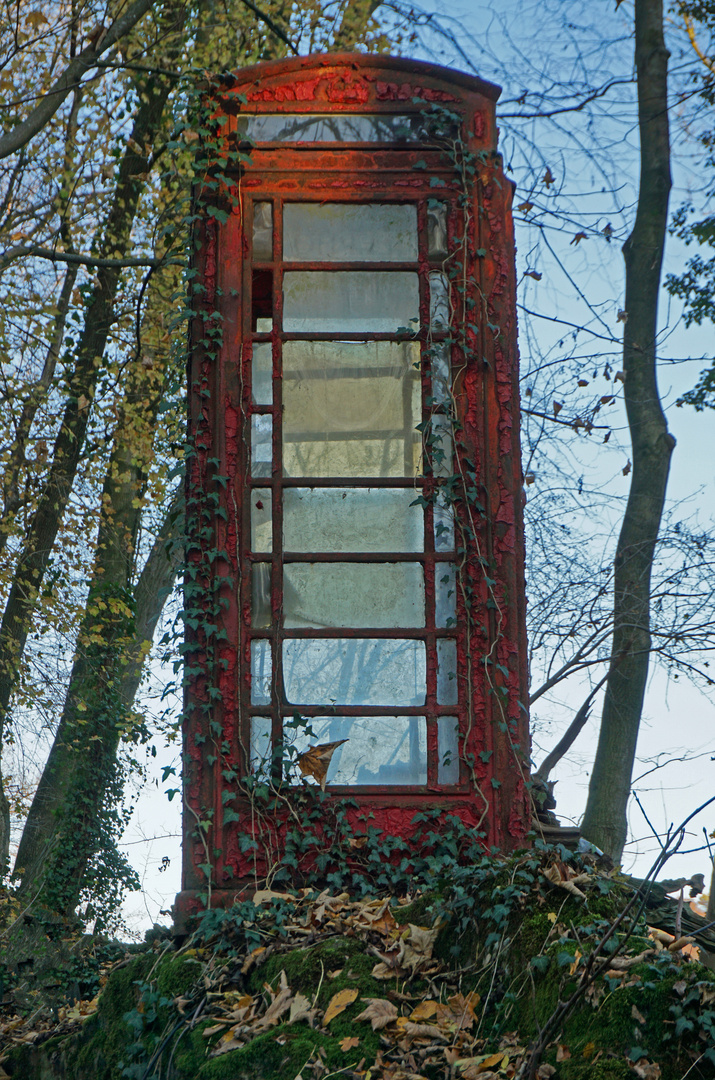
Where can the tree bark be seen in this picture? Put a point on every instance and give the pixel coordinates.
(60, 834)
(45, 522)
(604, 822)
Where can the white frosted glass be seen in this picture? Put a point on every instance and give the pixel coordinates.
(317, 127)
(447, 686)
(351, 408)
(441, 376)
(436, 229)
(350, 301)
(262, 373)
(351, 519)
(260, 751)
(445, 595)
(261, 595)
(439, 301)
(349, 232)
(448, 750)
(354, 671)
(261, 445)
(261, 521)
(356, 595)
(262, 232)
(260, 673)
(379, 749)
(443, 525)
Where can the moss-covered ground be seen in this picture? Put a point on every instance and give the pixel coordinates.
(462, 983)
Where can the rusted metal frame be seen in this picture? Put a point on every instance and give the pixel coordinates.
(277, 694)
(355, 556)
(399, 633)
(344, 335)
(414, 482)
(330, 711)
(335, 265)
(428, 492)
(246, 465)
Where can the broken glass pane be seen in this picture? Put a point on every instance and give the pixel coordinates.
(448, 750)
(261, 445)
(261, 595)
(379, 749)
(261, 744)
(262, 373)
(439, 301)
(260, 673)
(351, 519)
(261, 520)
(262, 301)
(350, 127)
(349, 232)
(447, 687)
(359, 595)
(436, 229)
(351, 408)
(354, 671)
(262, 232)
(445, 595)
(350, 301)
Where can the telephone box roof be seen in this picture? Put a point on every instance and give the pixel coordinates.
(376, 68)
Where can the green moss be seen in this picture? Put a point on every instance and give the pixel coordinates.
(285, 1050)
(306, 969)
(177, 974)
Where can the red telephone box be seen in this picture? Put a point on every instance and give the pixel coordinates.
(355, 524)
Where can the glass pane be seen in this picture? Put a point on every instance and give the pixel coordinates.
(351, 408)
(260, 752)
(438, 439)
(354, 671)
(351, 519)
(260, 673)
(439, 301)
(349, 232)
(261, 520)
(271, 127)
(379, 749)
(447, 686)
(262, 301)
(261, 595)
(262, 373)
(359, 595)
(441, 375)
(261, 445)
(262, 232)
(445, 595)
(443, 525)
(436, 229)
(351, 301)
(448, 750)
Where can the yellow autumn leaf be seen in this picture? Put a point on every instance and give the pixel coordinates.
(338, 1003)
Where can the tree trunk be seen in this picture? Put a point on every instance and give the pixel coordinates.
(65, 821)
(604, 822)
(45, 522)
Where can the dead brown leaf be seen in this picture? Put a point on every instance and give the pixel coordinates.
(562, 1053)
(379, 1013)
(316, 760)
(338, 1003)
(646, 1070)
(638, 1016)
(300, 1009)
(348, 1043)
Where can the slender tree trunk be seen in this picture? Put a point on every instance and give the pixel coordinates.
(63, 825)
(45, 523)
(604, 821)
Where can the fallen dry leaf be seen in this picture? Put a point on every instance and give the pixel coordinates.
(338, 1003)
(545, 1071)
(316, 760)
(562, 1053)
(646, 1070)
(348, 1043)
(424, 1011)
(300, 1009)
(379, 1013)
(638, 1016)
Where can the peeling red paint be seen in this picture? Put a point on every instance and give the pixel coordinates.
(486, 393)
